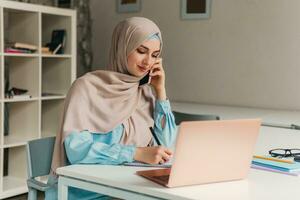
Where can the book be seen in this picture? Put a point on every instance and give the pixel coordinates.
(287, 167)
(25, 46)
(21, 46)
(46, 50)
(15, 50)
(20, 96)
(253, 166)
(57, 38)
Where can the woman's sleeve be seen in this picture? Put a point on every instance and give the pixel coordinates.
(164, 123)
(82, 149)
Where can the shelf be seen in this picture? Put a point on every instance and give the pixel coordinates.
(37, 55)
(16, 176)
(2, 167)
(21, 26)
(1, 130)
(44, 98)
(13, 186)
(56, 55)
(1, 32)
(21, 54)
(56, 75)
(47, 77)
(54, 22)
(2, 79)
(51, 117)
(23, 72)
(11, 141)
(20, 100)
(23, 122)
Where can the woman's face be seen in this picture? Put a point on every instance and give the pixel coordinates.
(142, 58)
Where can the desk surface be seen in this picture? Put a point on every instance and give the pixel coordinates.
(259, 185)
(285, 117)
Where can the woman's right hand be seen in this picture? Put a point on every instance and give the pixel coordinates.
(153, 155)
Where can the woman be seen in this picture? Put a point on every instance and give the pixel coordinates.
(109, 115)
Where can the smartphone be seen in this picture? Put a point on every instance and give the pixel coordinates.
(146, 79)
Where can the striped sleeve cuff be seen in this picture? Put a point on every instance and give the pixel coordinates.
(163, 106)
(127, 153)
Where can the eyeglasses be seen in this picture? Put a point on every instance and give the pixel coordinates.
(283, 153)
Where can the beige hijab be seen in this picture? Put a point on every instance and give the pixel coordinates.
(101, 100)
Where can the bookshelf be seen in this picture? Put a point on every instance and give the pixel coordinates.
(47, 78)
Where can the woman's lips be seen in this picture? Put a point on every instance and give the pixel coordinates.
(142, 69)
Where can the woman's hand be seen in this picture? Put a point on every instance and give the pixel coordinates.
(153, 155)
(157, 75)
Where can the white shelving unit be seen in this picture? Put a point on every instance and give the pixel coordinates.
(46, 77)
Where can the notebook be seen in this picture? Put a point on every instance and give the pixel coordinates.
(253, 166)
(287, 167)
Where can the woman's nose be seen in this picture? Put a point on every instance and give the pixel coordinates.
(146, 60)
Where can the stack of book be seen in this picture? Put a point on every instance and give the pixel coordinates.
(276, 165)
(18, 47)
(17, 93)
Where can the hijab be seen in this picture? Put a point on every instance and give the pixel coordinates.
(102, 100)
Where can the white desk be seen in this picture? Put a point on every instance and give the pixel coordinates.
(121, 182)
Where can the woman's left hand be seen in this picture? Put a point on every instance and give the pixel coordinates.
(157, 75)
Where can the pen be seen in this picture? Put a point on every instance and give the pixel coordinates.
(288, 126)
(154, 136)
(274, 159)
(277, 125)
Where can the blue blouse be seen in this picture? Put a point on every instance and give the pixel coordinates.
(91, 148)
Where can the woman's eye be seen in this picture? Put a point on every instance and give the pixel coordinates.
(155, 56)
(141, 51)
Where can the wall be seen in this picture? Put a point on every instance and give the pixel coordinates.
(246, 54)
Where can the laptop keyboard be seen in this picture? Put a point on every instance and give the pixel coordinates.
(162, 178)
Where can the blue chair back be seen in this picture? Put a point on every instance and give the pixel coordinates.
(39, 156)
(180, 117)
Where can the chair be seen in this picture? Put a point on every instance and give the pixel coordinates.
(180, 117)
(39, 158)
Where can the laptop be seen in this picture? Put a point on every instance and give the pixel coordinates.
(209, 152)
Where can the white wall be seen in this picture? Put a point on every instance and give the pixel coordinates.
(246, 54)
